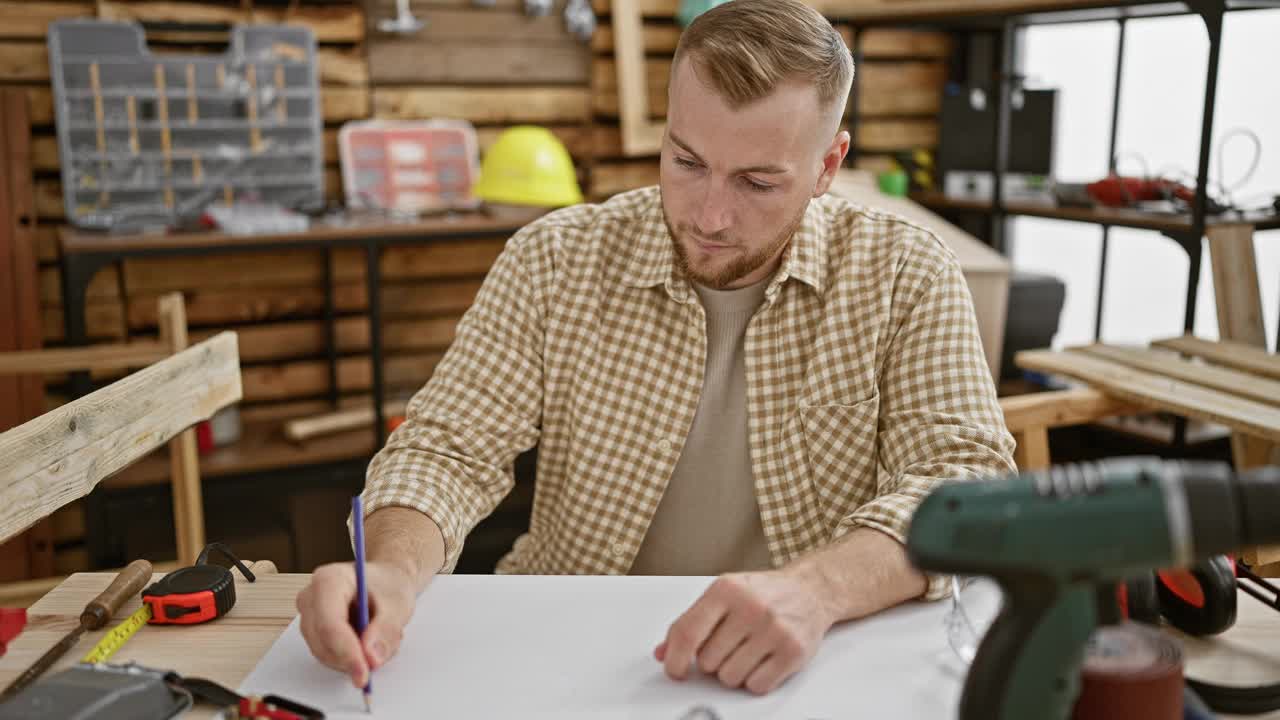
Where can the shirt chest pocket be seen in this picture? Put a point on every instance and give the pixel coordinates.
(840, 447)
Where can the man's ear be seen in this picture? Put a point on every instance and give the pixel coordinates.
(832, 161)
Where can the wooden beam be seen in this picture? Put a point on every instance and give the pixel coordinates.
(656, 38)
(29, 62)
(184, 468)
(648, 8)
(615, 177)
(336, 23)
(1032, 449)
(1170, 365)
(482, 105)
(887, 135)
(62, 455)
(1158, 392)
(103, 321)
(99, 357)
(1061, 408)
(1239, 356)
(27, 19)
(495, 62)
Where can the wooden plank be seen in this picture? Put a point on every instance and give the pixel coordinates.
(648, 8)
(26, 19)
(225, 306)
(1239, 306)
(40, 102)
(482, 105)
(878, 43)
(24, 62)
(887, 135)
(100, 357)
(334, 23)
(885, 88)
(1236, 355)
(103, 321)
(311, 377)
(1159, 392)
(1169, 364)
(62, 455)
(656, 38)
(47, 248)
(582, 141)
(639, 135)
(900, 88)
(184, 470)
(276, 341)
(344, 103)
(611, 178)
(452, 258)
(1061, 408)
(478, 26)
(1032, 449)
(68, 523)
(255, 304)
(105, 285)
(49, 204)
(248, 270)
(1235, 284)
(489, 62)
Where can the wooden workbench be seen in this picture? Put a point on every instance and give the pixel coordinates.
(227, 650)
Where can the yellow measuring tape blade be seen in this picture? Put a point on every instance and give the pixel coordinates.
(118, 636)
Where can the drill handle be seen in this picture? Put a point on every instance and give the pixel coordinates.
(1028, 664)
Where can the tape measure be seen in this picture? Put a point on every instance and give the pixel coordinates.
(195, 594)
(118, 636)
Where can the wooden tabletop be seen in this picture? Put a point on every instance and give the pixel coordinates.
(226, 651)
(337, 228)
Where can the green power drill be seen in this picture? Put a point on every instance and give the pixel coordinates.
(1058, 542)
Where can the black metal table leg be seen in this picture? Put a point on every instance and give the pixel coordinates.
(77, 271)
(330, 341)
(373, 281)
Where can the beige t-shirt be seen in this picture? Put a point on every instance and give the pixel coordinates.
(708, 521)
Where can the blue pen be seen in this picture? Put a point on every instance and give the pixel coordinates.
(362, 592)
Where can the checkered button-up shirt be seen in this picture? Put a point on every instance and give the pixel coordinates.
(866, 387)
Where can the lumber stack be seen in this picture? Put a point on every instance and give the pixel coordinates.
(899, 84)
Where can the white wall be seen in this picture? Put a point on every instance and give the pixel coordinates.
(1161, 105)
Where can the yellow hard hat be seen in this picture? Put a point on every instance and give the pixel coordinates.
(528, 165)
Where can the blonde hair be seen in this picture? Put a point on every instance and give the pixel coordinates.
(745, 48)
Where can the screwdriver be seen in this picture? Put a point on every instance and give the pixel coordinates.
(95, 615)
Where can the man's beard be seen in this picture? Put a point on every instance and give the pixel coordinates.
(741, 265)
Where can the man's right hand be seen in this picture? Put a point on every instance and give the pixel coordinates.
(325, 610)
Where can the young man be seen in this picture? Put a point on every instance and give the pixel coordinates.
(731, 374)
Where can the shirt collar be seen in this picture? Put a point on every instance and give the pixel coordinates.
(653, 258)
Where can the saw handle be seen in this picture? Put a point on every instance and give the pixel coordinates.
(128, 583)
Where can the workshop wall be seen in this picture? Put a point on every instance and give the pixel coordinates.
(899, 84)
(492, 65)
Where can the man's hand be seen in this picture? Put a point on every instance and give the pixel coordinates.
(751, 630)
(325, 610)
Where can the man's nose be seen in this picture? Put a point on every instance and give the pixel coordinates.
(713, 212)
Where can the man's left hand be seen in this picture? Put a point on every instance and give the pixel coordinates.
(751, 630)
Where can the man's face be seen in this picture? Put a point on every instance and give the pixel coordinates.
(736, 182)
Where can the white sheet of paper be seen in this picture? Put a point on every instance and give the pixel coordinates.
(492, 646)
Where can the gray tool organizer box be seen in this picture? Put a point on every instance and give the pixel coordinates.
(151, 139)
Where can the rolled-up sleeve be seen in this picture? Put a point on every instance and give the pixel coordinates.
(452, 459)
(939, 417)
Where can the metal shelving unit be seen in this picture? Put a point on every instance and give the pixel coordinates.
(1008, 19)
